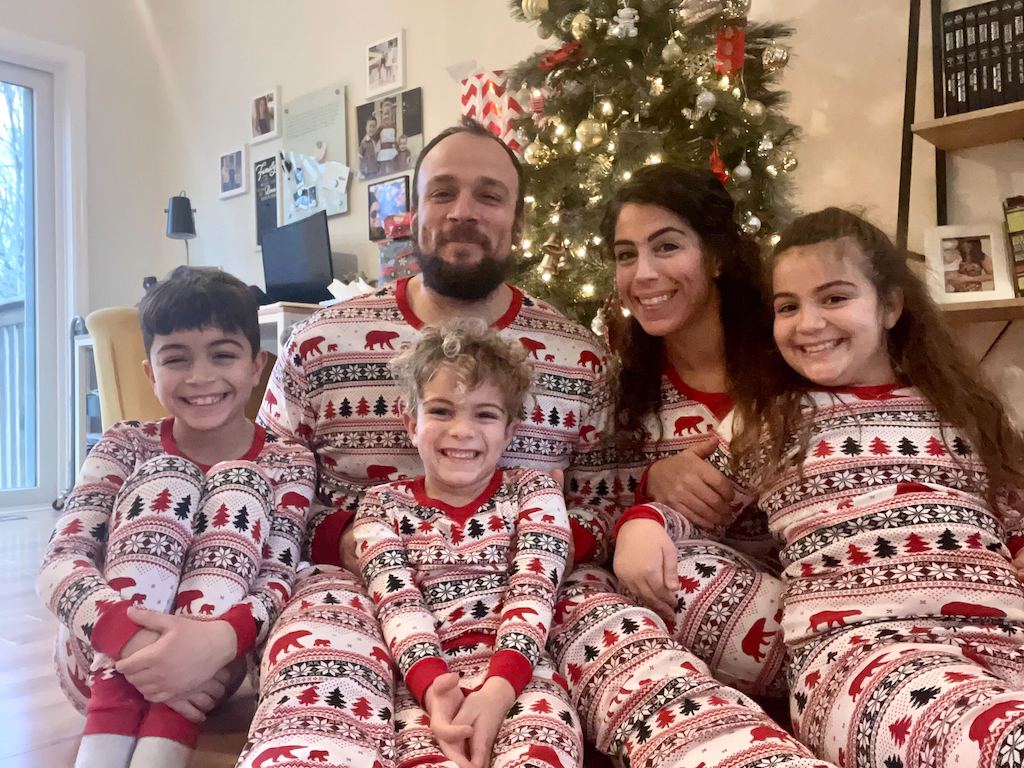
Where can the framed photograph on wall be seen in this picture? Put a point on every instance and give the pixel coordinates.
(266, 194)
(390, 133)
(263, 117)
(386, 198)
(385, 65)
(968, 263)
(233, 179)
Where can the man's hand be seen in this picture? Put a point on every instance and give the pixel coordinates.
(188, 654)
(197, 704)
(646, 564)
(484, 711)
(347, 551)
(442, 701)
(691, 486)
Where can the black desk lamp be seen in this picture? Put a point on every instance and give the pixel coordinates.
(181, 224)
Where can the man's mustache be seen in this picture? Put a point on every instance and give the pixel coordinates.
(463, 233)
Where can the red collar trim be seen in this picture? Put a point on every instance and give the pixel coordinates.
(402, 297)
(876, 392)
(459, 514)
(259, 439)
(719, 403)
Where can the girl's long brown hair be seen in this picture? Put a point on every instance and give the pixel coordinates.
(771, 396)
(699, 198)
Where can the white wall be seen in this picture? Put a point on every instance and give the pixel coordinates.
(125, 104)
(220, 54)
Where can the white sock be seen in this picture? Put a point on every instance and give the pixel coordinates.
(105, 750)
(157, 752)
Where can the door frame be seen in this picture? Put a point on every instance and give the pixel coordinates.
(67, 68)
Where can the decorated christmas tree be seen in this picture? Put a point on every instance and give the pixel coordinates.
(632, 82)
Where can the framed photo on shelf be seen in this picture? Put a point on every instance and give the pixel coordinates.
(385, 65)
(386, 198)
(233, 179)
(968, 263)
(263, 117)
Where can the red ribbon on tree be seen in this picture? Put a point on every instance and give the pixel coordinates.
(716, 165)
(570, 53)
(730, 45)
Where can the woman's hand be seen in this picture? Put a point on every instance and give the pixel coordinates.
(443, 700)
(188, 654)
(198, 703)
(483, 712)
(692, 487)
(646, 564)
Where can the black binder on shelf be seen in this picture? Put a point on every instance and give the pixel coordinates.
(974, 97)
(954, 62)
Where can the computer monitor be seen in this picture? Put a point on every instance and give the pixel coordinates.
(297, 261)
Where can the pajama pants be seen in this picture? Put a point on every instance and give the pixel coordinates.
(326, 681)
(641, 697)
(541, 727)
(159, 556)
(912, 695)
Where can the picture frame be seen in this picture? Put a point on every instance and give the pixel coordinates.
(266, 195)
(385, 65)
(264, 120)
(383, 199)
(233, 167)
(967, 263)
(390, 131)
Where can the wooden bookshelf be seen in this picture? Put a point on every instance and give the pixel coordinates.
(974, 129)
(982, 311)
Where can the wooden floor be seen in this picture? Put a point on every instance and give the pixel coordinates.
(38, 727)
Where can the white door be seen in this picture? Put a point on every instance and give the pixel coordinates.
(30, 340)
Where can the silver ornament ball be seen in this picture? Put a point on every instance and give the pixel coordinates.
(742, 173)
(774, 57)
(671, 53)
(751, 224)
(706, 100)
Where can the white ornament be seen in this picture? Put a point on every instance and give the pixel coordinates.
(598, 324)
(742, 173)
(625, 24)
(533, 9)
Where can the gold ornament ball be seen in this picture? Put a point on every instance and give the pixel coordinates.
(536, 153)
(671, 53)
(774, 57)
(755, 111)
(533, 9)
(591, 132)
(581, 25)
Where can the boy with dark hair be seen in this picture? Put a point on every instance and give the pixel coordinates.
(196, 518)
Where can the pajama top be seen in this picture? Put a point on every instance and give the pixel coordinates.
(446, 577)
(332, 390)
(71, 583)
(887, 521)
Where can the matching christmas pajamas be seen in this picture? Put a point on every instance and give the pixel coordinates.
(903, 615)
(470, 589)
(146, 526)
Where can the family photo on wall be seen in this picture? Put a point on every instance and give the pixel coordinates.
(390, 134)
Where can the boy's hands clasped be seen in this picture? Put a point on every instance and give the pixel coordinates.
(466, 726)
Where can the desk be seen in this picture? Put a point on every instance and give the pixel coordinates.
(276, 321)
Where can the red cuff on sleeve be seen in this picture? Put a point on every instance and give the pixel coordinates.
(641, 488)
(583, 542)
(327, 538)
(1015, 544)
(513, 667)
(241, 620)
(113, 629)
(422, 674)
(639, 512)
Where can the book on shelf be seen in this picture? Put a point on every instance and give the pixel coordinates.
(1013, 211)
(954, 62)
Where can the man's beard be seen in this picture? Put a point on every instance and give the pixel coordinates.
(461, 281)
